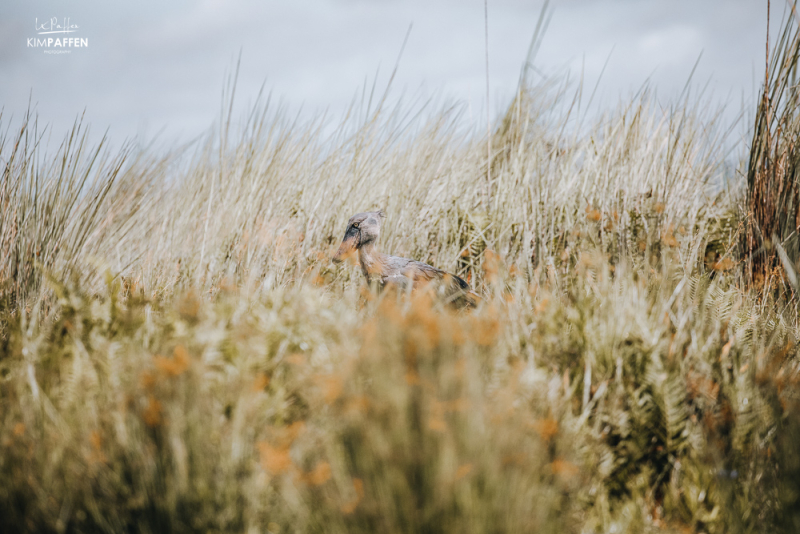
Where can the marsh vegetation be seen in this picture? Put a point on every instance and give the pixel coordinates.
(178, 353)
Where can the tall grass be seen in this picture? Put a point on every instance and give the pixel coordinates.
(773, 199)
(62, 210)
(259, 206)
(182, 356)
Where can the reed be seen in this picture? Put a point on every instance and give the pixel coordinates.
(773, 195)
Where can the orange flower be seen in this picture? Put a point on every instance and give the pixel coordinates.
(189, 307)
(95, 439)
(261, 381)
(97, 455)
(296, 359)
(358, 404)
(358, 486)
(699, 385)
(147, 379)
(275, 460)
(331, 386)
(485, 331)
(547, 428)
(725, 264)
(542, 306)
(491, 265)
(173, 366)
(437, 423)
(669, 237)
(463, 470)
(727, 348)
(564, 468)
(152, 414)
(412, 378)
(319, 475)
(458, 405)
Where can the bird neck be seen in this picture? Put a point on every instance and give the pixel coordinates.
(371, 261)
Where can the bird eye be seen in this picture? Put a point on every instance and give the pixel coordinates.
(355, 225)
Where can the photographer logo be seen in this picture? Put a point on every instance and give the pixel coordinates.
(57, 36)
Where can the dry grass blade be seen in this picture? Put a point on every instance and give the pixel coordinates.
(773, 186)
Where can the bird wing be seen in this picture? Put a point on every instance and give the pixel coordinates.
(422, 272)
(403, 272)
(394, 272)
(416, 271)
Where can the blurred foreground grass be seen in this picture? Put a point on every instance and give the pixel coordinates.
(177, 353)
(623, 402)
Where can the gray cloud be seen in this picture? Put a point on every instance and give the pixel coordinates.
(152, 64)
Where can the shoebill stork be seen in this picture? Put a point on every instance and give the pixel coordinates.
(361, 236)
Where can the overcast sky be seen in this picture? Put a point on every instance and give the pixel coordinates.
(152, 64)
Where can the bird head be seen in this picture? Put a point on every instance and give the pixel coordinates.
(362, 229)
